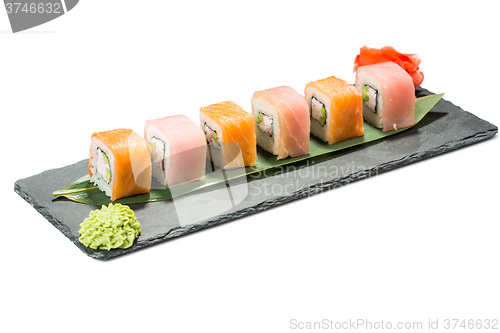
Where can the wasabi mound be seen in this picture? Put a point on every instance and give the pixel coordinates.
(111, 227)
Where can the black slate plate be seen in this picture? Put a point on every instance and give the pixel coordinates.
(446, 127)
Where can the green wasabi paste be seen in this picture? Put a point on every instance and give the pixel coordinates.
(113, 226)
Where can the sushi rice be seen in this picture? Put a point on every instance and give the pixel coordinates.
(320, 112)
(373, 112)
(214, 137)
(102, 167)
(267, 122)
(160, 152)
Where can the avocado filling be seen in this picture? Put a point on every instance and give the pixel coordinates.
(157, 152)
(212, 137)
(265, 123)
(102, 166)
(370, 97)
(318, 111)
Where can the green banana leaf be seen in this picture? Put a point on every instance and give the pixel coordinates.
(84, 191)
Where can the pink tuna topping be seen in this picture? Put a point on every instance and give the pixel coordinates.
(397, 91)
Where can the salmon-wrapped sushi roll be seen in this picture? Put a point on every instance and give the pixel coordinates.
(388, 95)
(119, 163)
(178, 150)
(230, 135)
(336, 110)
(282, 121)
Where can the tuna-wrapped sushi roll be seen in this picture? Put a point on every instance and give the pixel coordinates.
(388, 95)
(119, 163)
(230, 135)
(282, 121)
(178, 150)
(336, 110)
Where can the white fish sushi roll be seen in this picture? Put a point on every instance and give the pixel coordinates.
(388, 95)
(282, 121)
(178, 150)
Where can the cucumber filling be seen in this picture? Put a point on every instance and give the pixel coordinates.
(102, 166)
(157, 152)
(265, 123)
(370, 98)
(318, 111)
(212, 137)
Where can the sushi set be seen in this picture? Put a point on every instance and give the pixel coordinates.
(226, 165)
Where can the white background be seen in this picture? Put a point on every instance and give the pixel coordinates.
(417, 243)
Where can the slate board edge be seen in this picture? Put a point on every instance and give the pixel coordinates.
(54, 221)
(305, 192)
(317, 188)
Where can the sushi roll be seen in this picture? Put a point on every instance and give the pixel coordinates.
(282, 121)
(388, 95)
(119, 163)
(178, 150)
(336, 110)
(230, 135)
